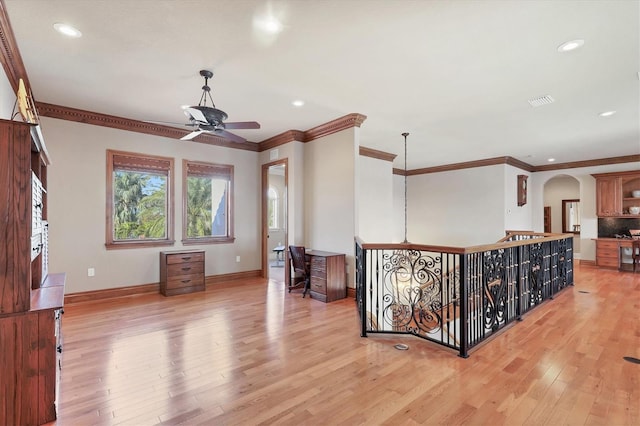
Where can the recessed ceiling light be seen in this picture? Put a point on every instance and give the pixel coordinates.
(551, 160)
(67, 30)
(607, 113)
(570, 45)
(269, 24)
(297, 103)
(273, 26)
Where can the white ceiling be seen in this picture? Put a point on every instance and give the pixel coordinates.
(457, 75)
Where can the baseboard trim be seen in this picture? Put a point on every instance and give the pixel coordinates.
(585, 262)
(351, 292)
(216, 279)
(135, 290)
(109, 293)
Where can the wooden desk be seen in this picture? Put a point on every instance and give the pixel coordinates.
(328, 279)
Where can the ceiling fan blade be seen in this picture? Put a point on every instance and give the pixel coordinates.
(230, 136)
(191, 135)
(195, 114)
(242, 125)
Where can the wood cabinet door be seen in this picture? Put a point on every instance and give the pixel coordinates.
(608, 196)
(15, 218)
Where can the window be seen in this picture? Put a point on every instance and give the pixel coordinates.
(207, 203)
(272, 207)
(139, 200)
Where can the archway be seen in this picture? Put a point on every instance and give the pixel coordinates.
(561, 196)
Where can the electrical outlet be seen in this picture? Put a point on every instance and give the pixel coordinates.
(237, 258)
(91, 272)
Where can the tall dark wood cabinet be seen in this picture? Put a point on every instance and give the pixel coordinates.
(30, 298)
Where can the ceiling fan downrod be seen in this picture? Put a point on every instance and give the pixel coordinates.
(206, 89)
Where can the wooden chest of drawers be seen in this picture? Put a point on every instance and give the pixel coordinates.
(181, 272)
(328, 280)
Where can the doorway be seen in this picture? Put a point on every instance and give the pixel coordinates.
(274, 221)
(557, 192)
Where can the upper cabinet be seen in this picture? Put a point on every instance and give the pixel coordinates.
(618, 194)
(15, 211)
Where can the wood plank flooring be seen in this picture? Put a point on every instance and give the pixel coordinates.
(248, 352)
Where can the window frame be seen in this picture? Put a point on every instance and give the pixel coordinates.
(132, 161)
(206, 169)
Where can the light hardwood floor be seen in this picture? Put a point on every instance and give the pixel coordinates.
(248, 352)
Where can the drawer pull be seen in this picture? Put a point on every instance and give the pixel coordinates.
(186, 258)
(186, 268)
(185, 281)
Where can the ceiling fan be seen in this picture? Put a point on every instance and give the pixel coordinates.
(209, 119)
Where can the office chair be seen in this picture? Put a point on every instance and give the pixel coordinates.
(301, 269)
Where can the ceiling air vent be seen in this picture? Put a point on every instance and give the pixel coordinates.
(541, 100)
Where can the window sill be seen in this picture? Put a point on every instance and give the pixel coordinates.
(208, 240)
(138, 244)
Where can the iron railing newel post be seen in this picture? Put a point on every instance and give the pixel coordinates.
(363, 277)
(361, 259)
(464, 311)
(519, 280)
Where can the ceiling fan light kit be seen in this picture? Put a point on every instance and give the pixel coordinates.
(209, 119)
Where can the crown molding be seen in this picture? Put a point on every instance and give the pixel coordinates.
(472, 164)
(334, 126)
(114, 122)
(589, 163)
(9, 52)
(346, 122)
(520, 164)
(374, 153)
(281, 139)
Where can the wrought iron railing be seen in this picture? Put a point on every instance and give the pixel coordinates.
(458, 297)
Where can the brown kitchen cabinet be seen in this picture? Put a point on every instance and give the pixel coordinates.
(614, 193)
(181, 272)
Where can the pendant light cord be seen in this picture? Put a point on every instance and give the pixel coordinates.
(405, 186)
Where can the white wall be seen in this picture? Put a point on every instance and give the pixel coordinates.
(76, 206)
(457, 208)
(398, 209)
(374, 200)
(516, 218)
(329, 193)
(7, 96)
